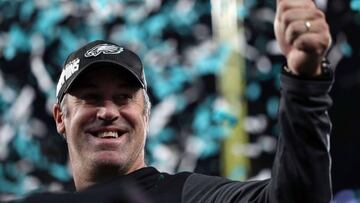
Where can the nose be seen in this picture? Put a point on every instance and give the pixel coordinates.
(108, 112)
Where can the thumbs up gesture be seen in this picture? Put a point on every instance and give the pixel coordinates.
(303, 35)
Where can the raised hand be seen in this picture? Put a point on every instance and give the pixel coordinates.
(303, 35)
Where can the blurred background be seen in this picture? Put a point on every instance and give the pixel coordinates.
(212, 69)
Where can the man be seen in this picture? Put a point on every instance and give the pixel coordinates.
(102, 111)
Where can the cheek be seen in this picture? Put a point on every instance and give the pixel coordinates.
(77, 119)
(135, 116)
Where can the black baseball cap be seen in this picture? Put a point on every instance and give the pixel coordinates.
(96, 53)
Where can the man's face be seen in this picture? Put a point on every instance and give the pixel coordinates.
(105, 123)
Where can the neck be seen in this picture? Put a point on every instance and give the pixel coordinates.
(84, 180)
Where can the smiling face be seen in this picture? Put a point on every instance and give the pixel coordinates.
(104, 124)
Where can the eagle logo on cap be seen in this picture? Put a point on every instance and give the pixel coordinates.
(103, 49)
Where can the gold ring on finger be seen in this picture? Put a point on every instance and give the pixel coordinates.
(307, 25)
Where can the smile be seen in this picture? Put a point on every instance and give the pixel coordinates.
(107, 132)
(107, 135)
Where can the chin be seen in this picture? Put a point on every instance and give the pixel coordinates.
(107, 159)
(109, 166)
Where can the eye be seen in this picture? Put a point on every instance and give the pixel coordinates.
(122, 98)
(91, 98)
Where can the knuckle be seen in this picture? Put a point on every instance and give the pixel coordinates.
(326, 27)
(282, 7)
(285, 19)
(309, 3)
(319, 14)
(322, 27)
(326, 31)
(322, 47)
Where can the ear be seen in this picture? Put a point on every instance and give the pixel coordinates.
(59, 120)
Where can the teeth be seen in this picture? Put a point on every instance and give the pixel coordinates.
(108, 135)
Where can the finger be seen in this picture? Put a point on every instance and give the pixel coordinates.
(298, 28)
(294, 15)
(284, 5)
(314, 43)
(289, 6)
(290, 16)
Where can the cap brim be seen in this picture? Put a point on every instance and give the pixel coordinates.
(93, 64)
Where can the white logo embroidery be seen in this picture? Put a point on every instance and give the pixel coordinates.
(70, 68)
(103, 49)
